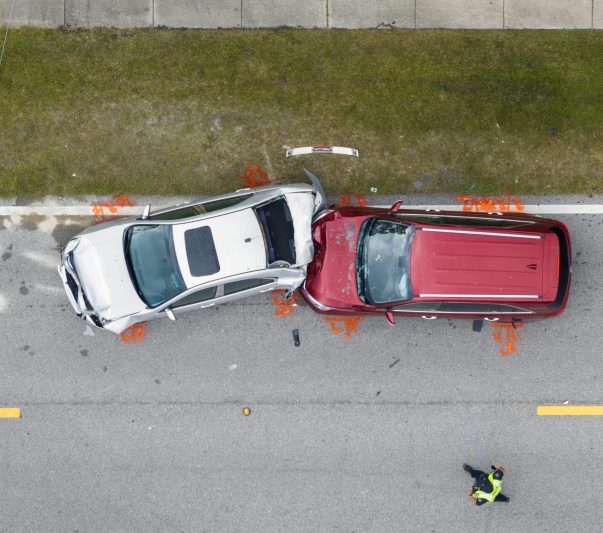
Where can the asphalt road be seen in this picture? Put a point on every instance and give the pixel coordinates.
(364, 434)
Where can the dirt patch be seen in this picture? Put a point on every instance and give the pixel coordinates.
(8, 253)
(62, 233)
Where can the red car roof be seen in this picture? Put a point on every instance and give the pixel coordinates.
(466, 264)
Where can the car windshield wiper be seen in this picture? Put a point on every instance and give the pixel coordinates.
(361, 259)
(127, 240)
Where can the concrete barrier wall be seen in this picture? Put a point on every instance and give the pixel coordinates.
(494, 14)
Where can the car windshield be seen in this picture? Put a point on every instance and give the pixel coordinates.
(383, 261)
(152, 263)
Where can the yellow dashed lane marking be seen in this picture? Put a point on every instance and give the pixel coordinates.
(10, 412)
(569, 410)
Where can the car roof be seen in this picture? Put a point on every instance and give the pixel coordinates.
(477, 264)
(219, 247)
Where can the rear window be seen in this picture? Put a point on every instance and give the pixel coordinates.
(277, 226)
(201, 252)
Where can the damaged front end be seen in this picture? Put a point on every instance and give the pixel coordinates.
(71, 282)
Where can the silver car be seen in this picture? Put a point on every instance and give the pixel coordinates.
(192, 256)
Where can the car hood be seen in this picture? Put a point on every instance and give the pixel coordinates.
(102, 271)
(301, 206)
(464, 263)
(332, 275)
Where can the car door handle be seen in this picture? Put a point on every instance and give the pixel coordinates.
(267, 290)
(430, 317)
(207, 305)
(491, 319)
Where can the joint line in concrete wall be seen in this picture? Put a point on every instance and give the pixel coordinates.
(153, 16)
(241, 13)
(415, 21)
(503, 15)
(10, 14)
(327, 13)
(592, 15)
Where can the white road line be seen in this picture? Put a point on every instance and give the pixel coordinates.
(84, 210)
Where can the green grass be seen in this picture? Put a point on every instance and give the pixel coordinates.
(179, 112)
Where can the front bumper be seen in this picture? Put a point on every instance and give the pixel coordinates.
(75, 294)
(313, 301)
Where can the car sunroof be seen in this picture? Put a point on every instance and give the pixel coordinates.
(201, 252)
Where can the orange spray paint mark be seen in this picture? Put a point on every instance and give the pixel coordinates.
(98, 208)
(350, 198)
(122, 200)
(506, 204)
(283, 306)
(134, 334)
(255, 176)
(102, 210)
(506, 335)
(347, 325)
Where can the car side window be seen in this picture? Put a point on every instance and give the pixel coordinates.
(419, 307)
(196, 297)
(466, 307)
(201, 208)
(463, 221)
(469, 307)
(243, 285)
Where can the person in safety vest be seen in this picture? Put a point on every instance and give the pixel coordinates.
(487, 487)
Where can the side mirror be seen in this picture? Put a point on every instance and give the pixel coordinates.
(146, 212)
(394, 208)
(390, 318)
(170, 314)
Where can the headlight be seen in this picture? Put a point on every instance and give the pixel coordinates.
(71, 245)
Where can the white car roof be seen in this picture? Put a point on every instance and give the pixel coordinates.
(238, 241)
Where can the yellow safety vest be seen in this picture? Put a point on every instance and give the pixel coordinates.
(489, 496)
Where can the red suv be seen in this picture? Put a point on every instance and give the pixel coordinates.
(431, 264)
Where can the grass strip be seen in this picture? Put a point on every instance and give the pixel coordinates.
(183, 111)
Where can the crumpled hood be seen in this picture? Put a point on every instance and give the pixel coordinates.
(101, 268)
(301, 206)
(332, 276)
